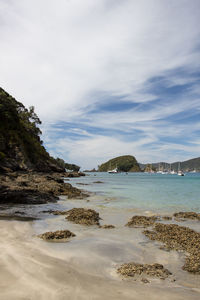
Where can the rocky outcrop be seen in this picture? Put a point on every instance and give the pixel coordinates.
(83, 216)
(181, 239)
(125, 163)
(59, 235)
(20, 145)
(35, 188)
(187, 215)
(153, 270)
(141, 221)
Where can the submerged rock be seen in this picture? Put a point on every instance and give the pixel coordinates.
(141, 221)
(98, 181)
(107, 226)
(57, 235)
(181, 239)
(154, 270)
(18, 217)
(59, 212)
(83, 216)
(166, 218)
(74, 174)
(187, 215)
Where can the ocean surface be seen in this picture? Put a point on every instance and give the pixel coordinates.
(154, 192)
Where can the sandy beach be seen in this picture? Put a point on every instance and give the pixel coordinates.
(85, 267)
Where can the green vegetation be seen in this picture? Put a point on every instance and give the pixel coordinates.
(72, 167)
(126, 163)
(186, 166)
(63, 164)
(20, 144)
(149, 168)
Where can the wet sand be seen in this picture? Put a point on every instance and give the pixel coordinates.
(85, 267)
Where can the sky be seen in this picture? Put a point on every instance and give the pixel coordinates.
(106, 77)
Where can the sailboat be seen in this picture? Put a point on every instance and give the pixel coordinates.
(172, 172)
(180, 173)
(159, 171)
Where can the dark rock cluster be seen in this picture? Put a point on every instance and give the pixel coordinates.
(35, 188)
(107, 226)
(141, 221)
(57, 235)
(179, 238)
(153, 270)
(83, 216)
(187, 215)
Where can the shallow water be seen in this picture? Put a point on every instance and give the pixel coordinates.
(154, 192)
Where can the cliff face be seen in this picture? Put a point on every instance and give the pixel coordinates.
(20, 144)
(126, 163)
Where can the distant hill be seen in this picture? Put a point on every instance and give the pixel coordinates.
(20, 144)
(186, 166)
(126, 163)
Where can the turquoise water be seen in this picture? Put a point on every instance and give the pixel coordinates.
(145, 191)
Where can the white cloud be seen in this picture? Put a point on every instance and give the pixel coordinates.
(54, 54)
(60, 55)
(95, 150)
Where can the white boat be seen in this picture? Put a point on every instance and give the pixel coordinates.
(113, 171)
(159, 170)
(180, 173)
(173, 172)
(194, 171)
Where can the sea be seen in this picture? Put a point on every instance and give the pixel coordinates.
(144, 191)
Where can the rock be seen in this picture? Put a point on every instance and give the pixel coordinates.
(25, 197)
(56, 212)
(98, 181)
(166, 218)
(81, 174)
(74, 174)
(57, 235)
(19, 212)
(141, 221)
(145, 280)
(107, 226)
(154, 270)
(187, 215)
(181, 239)
(35, 188)
(83, 216)
(16, 217)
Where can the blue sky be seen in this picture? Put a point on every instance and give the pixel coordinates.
(106, 78)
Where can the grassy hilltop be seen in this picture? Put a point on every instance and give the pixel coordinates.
(125, 163)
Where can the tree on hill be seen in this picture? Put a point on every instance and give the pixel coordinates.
(125, 163)
(20, 143)
(63, 164)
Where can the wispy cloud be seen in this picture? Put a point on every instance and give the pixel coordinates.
(106, 77)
